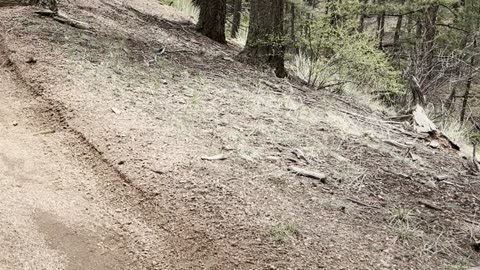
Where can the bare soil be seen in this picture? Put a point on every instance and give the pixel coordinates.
(103, 134)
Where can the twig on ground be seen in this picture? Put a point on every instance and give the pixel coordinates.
(430, 205)
(362, 204)
(307, 173)
(48, 131)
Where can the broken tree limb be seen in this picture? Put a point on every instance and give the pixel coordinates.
(421, 121)
(307, 173)
(64, 19)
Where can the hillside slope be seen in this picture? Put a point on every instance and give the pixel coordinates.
(141, 103)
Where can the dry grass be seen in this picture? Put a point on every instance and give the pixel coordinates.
(457, 132)
(283, 233)
(241, 38)
(186, 7)
(400, 221)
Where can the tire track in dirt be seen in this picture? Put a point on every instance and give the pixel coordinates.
(73, 247)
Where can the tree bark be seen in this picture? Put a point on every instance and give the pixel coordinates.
(380, 29)
(292, 23)
(429, 34)
(265, 41)
(237, 16)
(398, 30)
(469, 83)
(211, 21)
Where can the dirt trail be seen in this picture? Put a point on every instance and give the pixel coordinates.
(52, 213)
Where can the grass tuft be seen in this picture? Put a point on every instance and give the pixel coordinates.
(284, 232)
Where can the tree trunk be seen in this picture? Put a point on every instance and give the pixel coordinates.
(398, 30)
(292, 23)
(469, 83)
(211, 21)
(362, 16)
(265, 41)
(237, 16)
(380, 29)
(429, 34)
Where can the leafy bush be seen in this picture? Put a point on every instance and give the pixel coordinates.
(335, 53)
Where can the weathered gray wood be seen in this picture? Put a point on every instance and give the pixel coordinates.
(422, 123)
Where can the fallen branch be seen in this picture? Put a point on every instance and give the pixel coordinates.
(362, 204)
(307, 173)
(430, 205)
(64, 19)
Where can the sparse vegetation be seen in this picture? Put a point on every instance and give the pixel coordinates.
(459, 266)
(283, 233)
(400, 216)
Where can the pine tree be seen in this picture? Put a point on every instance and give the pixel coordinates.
(265, 41)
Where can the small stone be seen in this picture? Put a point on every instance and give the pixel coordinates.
(431, 184)
(15, 123)
(121, 162)
(31, 60)
(164, 82)
(434, 144)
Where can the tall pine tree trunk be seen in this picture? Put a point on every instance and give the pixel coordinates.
(211, 21)
(237, 16)
(429, 35)
(265, 41)
(292, 23)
